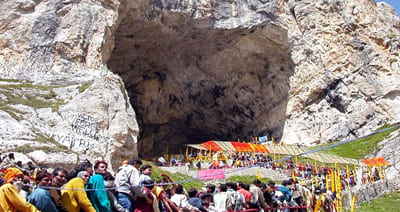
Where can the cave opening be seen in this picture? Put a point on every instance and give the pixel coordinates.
(189, 82)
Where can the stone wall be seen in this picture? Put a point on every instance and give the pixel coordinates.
(365, 193)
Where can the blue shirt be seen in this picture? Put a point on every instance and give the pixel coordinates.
(42, 200)
(196, 202)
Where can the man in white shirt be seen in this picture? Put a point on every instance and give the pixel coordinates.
(221, 198)
(127, 181)
(181, 200)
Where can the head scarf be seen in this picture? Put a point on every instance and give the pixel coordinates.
(11, 173)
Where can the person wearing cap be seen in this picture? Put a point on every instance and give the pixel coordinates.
(10, 199)
(127, 182)
(124, 164)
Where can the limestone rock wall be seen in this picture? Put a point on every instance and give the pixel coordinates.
(57, 95)
(347, 71)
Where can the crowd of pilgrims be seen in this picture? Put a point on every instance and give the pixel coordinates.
(91, 187)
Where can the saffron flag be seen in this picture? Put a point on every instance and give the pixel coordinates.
(333, 181)
(318, 204)
(353, 203)
(293, 175)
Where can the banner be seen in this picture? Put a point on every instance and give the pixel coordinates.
(211, 174)
(263, 138)
(375, 161)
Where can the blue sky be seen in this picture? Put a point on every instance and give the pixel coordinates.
(395, 4)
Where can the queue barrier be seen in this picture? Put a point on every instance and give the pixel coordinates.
(332, 206)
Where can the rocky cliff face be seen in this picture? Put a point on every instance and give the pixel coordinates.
(59, 102)
(303, 71)
(346, 78)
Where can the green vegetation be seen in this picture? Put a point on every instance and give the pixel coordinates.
(177, 177)
(28, 148)
(84, 86)
(358, 149)
(29, 85)
(48, 149)
(59, 147)
(12, 111)
(248, 179)
(389, 202)
(24, 149)
(9, 80)
(35, 96)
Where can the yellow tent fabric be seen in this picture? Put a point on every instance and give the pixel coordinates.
(290, 150)
(321, 157)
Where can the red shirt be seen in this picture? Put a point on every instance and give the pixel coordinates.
(246, 194)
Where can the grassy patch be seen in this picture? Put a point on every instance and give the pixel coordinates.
(28, 148)
(248, 179)
(84, 86)
(24, 149)
(358, 149)
(37, 97)
(9, 80)
(15, 113)
(58, 147)
(176, 177)
(32, 101)
(30, 85)
(389, 202)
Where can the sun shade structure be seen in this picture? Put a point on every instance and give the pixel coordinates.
(290, 150)
(321, 157)
(232, 146)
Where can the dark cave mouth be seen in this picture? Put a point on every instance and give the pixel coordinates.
(190, 85)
